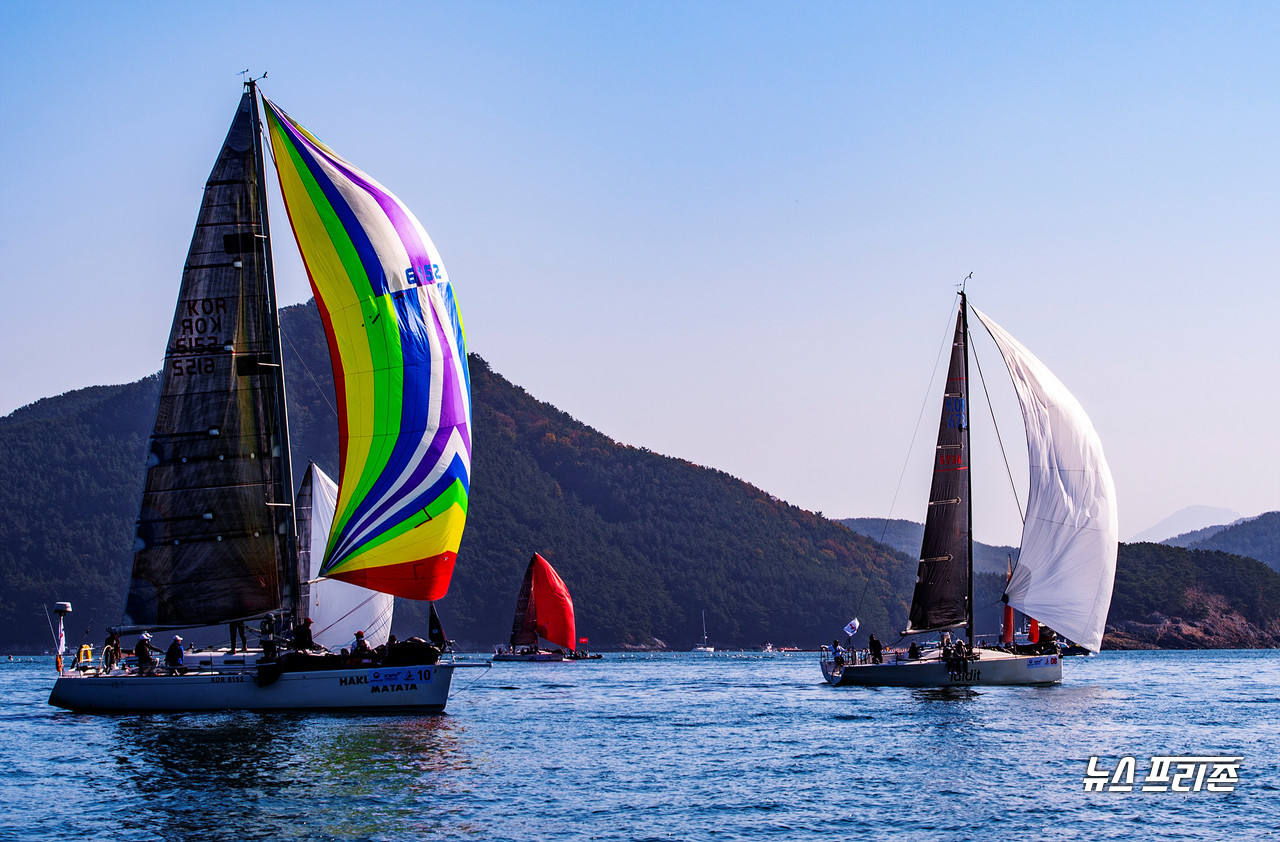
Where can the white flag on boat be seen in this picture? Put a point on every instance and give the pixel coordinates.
(852, 628)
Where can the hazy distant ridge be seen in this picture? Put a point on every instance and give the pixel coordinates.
(1186, 520)
(905, 536)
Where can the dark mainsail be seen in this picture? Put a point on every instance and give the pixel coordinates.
(215, 534)
(941, 598)
(524, 626)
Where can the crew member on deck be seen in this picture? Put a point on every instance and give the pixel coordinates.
(237, 627)
(142, 651)
(362, 652)
(111, 652)
(267, 637)
(173, 657)
(877, 650)
(302, 640)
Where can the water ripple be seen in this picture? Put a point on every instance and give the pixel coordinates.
(667, 747)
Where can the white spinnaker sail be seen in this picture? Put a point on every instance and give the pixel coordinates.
(1067, 565)
(338, 610)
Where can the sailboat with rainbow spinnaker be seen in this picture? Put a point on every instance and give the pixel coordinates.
(217, 532)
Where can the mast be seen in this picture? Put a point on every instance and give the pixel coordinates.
(964, 320)
(291, 596)
(942, 597)
(216, 536)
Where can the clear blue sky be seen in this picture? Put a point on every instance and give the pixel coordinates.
(726, 231)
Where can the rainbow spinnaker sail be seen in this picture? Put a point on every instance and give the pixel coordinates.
(399, 359)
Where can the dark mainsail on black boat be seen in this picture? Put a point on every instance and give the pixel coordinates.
(544, 610)
(215, 533)
(217, 529)
(941, 598)
(1067, 565)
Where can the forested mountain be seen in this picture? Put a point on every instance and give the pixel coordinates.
(1177, 598)
(1257, 537)
(70, 478)
(645, 542)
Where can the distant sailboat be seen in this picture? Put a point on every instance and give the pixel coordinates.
(544, 611)
(1066, 568)
(217, 535)
(704, 648)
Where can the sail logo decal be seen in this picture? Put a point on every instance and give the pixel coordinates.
(1046, 661)
(953, 413)
(393, 680)
(415, 275)
(201, 327)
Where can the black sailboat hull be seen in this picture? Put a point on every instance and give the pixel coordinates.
(994, 667)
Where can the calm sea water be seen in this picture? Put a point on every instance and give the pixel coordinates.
(733, 746)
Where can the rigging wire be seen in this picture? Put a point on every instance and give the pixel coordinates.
(266, 144)
(319, 388)
(924, 405)
(488, 665)
(991, 410)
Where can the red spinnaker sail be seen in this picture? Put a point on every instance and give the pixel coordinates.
(554, 609)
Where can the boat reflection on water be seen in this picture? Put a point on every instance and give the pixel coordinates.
(958, 693)
(292, 775)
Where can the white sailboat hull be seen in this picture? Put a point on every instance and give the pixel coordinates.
(419, 688)
(993, 668)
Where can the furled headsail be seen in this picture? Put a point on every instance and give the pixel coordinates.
(399, 359)
(544, 608)
(1067, 565)
(215, 532)
(941, 596)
